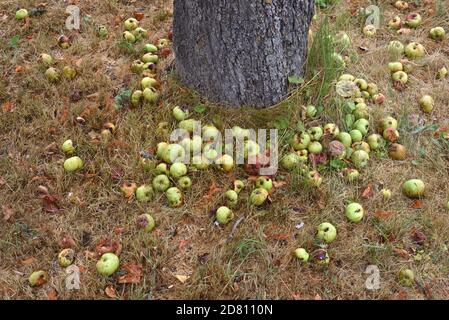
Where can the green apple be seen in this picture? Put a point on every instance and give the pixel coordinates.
(321, 257)
(302, 155)
(150, 58)
(406, 277)
(238, 185)
(413, 20)
(326, 232)
(413, 188)
(361, 145)
(373, 89)
(395, 23)
(68, 147)
(264, 182)
(342, 40)
(396, 48)
(179, 114)
(258, 196)
(144, 193)
(210, 152)
(225, 163)
(174, 197)
(345, 139)
(397, 151)
(251, 149)
(239, 133)
(379, 98)
(151, 95)
(315, 147)
(314, 179)
(362, 125)
(391, 134)
(346, 77)
(200, 162)
(224, 215)
(174, 153)
(386, 194)
(161, 149)
(178, 170)
(414, 50)
(437, 33)
(147, 164)
(361, 111)
(131, 24)
(46, 59)
(361, 83)
(356, 135)
(21, 14)
(150, 48)
(360, 158)
(388, 122)
(69, 72)
(311, 111)
(137, 66)
(232, 198)
(136, 97)
(148, 82)
(162, 43)
(162, 168)
(129, 37)
(400, 76)
(401, 5)
(188, 125)
(140, 33)
(338, 60)
(375, 141)
(351, 174)
(108, 264)
(102, 32)
(315, 133)
(300, 141)
(331, 129)
(73, 164)
(395, 67)
(369, 30)
(161, 183)
(354, 212)
(128, 189)
(66, 257)
(290, 161)
(426, 103)
(38, 278)
(52, 74)
(145, 222)
(301, 254)
(184, 183)
(442, 73)
(210, 133)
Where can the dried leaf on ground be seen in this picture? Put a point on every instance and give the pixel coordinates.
(110, 292)
(7, 212)
(133, 273)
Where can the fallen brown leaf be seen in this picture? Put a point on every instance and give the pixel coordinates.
(279, 184)
(107, 245)
(7, 212)
(417, 204)
(7, 107)
(52, 294)
(67, 242)
(133, 273)
(368, 192)
(28, 261)
(402, 253)
(110, 292)
(50, 204)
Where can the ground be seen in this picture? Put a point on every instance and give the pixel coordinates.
(187, 256)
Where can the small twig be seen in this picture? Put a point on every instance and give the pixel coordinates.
(234, 227)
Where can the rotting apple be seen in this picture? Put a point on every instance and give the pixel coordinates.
(238, 185)
(144, 193)
(264, 182)
(331, 129)
(321, 257)
(379, 98)
(351, 174)
(290, 161)
(395, 23)
(401, 5)
(326, 232)
(413, 20)
(161, 183)
(66, 257)
(38, 278)
(146, 222)
(108, 264)
(354, 212)
(360, 158)
(314, 179)
(369, 30)
(128, 189)
(300, 141)
(361, 145)
(174, 197)
(426, 103)
(406, 277)
(336, 149)
(397, 151)
(413, 188)
(258, 196)
(391, 134)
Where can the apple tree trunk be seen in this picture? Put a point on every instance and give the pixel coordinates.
(241, 52)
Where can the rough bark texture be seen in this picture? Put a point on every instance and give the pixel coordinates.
(241, 52)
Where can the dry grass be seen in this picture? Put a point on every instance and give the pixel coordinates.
(257, 261)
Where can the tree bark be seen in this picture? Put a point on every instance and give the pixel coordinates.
(241, 52)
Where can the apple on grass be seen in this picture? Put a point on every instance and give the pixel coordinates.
(150, 48)
(188, 125)
(386, 194)
(108, 264)
(73, 164)
(69, 72)
(442, 73)
(102, 32)
(314, 179)
(301, 254)
(375, 141)
(395, 23)
(66, 257)
(173, 153)
(150, 58)
(162, 43)
(225, 163)
(231, 197)
(397, 151)
(361, 83)
(184, 183)
(161, 183)
(315, 147)
(137, 66)
(395, 67)
(258, 196)
(180, 114)
(414, 50)
(264, 182)
(360, 158)
(131, 24)
(38, 278)
(331, 129)
(396, 48)
(238, 185)
(351, 174)
(315, 133)
(311, 111)
(174, 197)
(369, 30)
(326, 232)
(46, 59)
(321, 257)
(400, 76)
(136, 97)
(437, 33)
(345, 139)
(388, 122)
(145, 222)
(336, 149)
(401, 5)
(128, 37)
(356, 135)
(362, 145)
(144, 193)
(354, 212)
(68, 147)
(178, 170)
(140, 33)
(413, 20)
(200, 163)
(346, 77)
(300, 141)
(224, 215)
(426, 103)
(413, 188)
(362, 125)
(21, 14)
(406, 277)
(128, 189)
(52, 74)
(151, 95)
(391, 135)
(148, 82)
(290, 161)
